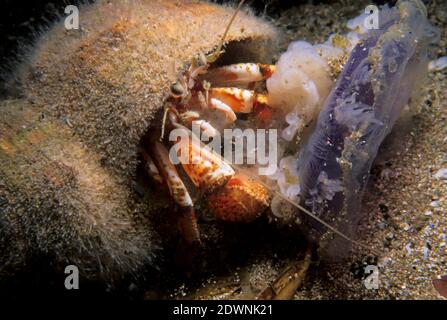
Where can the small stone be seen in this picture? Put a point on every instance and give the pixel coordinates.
(435, 204)
(428, 213)
(386, 174)
(441, 174)
(438, 64)
(406, 226)
(383, 208)
(409, 248)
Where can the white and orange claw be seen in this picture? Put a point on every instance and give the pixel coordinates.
(224, 108)
(206, 169)
(239, 74)
(239, 100)
(151, 167)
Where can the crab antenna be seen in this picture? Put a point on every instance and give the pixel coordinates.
(307, 212)
(213, 57)
(163, 123)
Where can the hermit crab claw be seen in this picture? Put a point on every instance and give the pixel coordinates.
(242, 199)
(239, 74)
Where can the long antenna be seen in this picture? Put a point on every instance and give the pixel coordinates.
(213, 57)
(307, 212)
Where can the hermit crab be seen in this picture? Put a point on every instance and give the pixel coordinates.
(232, 197)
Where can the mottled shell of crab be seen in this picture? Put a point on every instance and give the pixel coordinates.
(242, 199)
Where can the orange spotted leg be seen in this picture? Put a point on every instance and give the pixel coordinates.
(187, 222)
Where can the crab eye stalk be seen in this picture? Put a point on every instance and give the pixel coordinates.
(177, 90)
(201, 60)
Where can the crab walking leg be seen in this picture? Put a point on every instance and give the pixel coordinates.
(239, 100)
(187, 223)
(207, 131)
(285, 286)
(239, 74)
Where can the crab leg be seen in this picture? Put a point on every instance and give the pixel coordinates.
(187, 223)
(239, 100)
(242, 199)
(239, 74)
(284, 287)
(189, 117)
(208, 131)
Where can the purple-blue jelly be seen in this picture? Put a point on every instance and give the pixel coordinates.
(384, 71)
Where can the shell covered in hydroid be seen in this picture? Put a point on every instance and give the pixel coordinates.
(68, 148)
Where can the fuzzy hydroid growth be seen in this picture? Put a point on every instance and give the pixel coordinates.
(68, 148)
